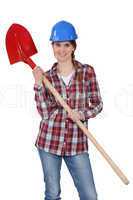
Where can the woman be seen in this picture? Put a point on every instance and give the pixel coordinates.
(59, 136)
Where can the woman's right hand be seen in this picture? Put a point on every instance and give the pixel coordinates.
(38, 75)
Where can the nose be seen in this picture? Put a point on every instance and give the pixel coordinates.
(62, 48)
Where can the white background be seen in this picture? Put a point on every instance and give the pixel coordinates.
(106, 42)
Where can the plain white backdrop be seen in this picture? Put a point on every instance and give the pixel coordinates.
(106, 42)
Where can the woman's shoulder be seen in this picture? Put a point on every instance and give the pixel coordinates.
(86, 67)
(90, 72)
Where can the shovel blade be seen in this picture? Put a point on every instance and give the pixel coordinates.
(19, 42)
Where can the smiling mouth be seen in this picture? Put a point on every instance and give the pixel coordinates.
(63, 55)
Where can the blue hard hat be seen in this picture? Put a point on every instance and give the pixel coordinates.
(63, 31)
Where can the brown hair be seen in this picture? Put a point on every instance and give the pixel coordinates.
(79, 75)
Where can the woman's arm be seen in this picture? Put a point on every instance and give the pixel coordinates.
(41, 94)
(94, 100)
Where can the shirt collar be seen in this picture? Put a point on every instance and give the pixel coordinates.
(78, 69)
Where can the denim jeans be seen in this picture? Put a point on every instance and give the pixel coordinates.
(80, 169)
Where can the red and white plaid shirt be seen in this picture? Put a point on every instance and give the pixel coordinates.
(58, 134)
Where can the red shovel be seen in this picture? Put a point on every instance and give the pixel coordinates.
(20, 47)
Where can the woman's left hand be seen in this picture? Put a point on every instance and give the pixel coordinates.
(75, 115)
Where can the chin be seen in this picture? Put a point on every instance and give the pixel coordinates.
(63, 59)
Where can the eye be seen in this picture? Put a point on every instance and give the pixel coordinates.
(67, 45)
(57, 44)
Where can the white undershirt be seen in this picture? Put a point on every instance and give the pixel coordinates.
(67, 79)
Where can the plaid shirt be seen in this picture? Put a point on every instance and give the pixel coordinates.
(58, 134)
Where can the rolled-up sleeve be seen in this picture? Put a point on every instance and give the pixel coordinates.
(94, 100)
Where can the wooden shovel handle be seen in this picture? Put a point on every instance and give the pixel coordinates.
(87, 132)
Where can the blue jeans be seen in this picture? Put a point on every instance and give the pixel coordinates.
(80, 169)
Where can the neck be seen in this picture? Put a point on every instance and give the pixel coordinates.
(65, 68)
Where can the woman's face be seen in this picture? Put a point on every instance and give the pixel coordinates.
(63, 51)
